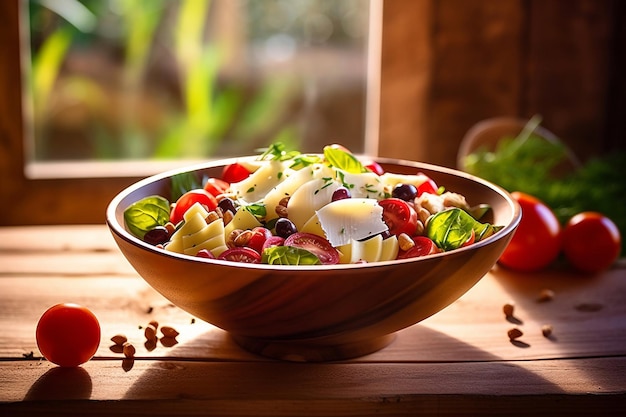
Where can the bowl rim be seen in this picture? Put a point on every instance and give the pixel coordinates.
(120, 230)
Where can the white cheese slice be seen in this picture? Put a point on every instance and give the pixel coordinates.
(391, 180)
(351, 218)
(364, 185)
(291, 182)
(260, 182)
(390, 249)
(308, 198)
(367, 250)
(243, 220)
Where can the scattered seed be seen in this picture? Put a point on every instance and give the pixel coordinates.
(508, 309)
(119, 339)
(514, 333)
(150, 333)
(193, 320)
(129, 350)
(545, 295)
(169, 331)
(546, 329)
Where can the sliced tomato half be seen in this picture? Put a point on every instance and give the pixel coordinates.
(399, 216)
(315, 244)
(423, 246)
(241, 254)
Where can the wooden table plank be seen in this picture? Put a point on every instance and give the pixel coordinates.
(337, 389)
(473, 328)
(457, 362)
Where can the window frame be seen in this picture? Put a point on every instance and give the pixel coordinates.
(41, 193)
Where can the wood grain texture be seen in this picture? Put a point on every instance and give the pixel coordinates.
(457, 362)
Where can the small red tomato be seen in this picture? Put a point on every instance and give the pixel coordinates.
(537, 240)
(189, 199)
(429, 186)
(399, 216)
(205, 253)
(591, 242)
(423, 246)
(374, 167)
(273, 241)
(216, 186)
(68, 334)
(235, 172)
(258, 238)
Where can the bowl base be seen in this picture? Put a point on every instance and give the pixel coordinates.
(310, 352)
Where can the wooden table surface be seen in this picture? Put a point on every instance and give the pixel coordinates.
(458, 362)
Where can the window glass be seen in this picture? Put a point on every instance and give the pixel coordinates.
(192, 79)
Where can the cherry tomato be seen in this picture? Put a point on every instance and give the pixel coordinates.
(423, 246)
(429, 186)
(315, 244)
(258, 238)
(205, 253)
(399, 216)
(537, 240)
(273, 241)
(374, 167)
(591, 242)
(189, 199)
(216, 186)
(235, 172)
(68, 334)
(241, 254)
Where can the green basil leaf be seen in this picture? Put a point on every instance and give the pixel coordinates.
(289, 255)
(258, 210)
(147, 213)
(276, 152)
(451, 228)
(183, 182)
(343, 160)
(302, 161)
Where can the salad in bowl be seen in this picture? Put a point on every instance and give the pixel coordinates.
(289, 208)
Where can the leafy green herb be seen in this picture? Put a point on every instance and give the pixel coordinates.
(451, 228)
(302, 161)
(276, 152)
(183, 182)
(289, 255)
(257, 209)
(533, 165)
(147, 213)
(343, 160)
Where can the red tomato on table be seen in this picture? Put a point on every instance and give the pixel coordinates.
(537, 240)
(591, 242)
(68, 334)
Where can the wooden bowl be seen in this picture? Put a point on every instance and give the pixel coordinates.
(325, 312)
(487, 133)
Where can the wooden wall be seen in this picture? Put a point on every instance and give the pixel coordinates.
(447, 64)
